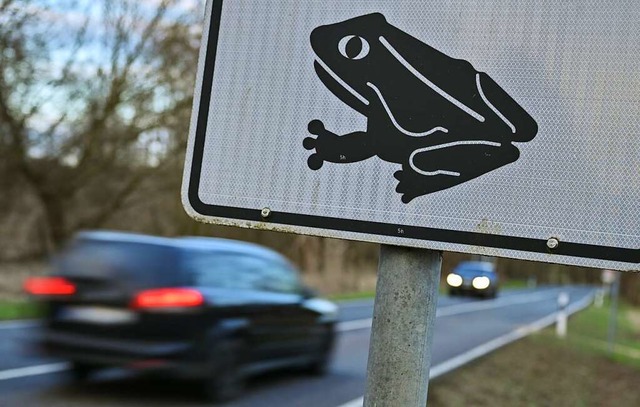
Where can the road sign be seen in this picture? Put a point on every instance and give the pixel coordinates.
(504, 128)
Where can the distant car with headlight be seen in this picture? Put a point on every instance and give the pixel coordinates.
(473, 277)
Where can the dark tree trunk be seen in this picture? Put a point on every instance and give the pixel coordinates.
(55, 219)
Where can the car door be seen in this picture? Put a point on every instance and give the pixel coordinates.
(248, 291)
(228, 280)
(298, 325)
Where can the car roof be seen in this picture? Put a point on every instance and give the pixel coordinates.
(185, 243)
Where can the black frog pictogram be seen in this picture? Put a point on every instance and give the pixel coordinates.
(438, 117)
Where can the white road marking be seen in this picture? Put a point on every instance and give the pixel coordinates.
(430, 84)
(33, 371)
(347, 326)
(463, 308)
(356, 303)
(353, 403)
(19, 324)
(456, 309)
(490, 346)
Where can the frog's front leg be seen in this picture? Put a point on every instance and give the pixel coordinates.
(331, 147)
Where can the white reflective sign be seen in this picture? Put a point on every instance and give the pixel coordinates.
(505, 128)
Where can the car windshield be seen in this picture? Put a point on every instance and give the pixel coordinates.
(475, 267)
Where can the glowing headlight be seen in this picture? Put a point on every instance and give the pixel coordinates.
(480, 283)
(454, 280)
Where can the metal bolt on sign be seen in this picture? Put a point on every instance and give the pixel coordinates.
(553, 243)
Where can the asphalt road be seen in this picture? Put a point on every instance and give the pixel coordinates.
(465, 328)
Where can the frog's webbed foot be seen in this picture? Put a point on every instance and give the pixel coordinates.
(410, 184)
(331, 147)
(316, 127)
(416, 181)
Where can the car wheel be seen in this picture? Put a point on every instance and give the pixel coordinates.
(81, 372)
(320, 365)
(224, 380)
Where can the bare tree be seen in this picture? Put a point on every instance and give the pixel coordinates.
(94, 101)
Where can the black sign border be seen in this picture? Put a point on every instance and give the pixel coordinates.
(522, 244)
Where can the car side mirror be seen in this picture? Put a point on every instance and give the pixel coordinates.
(308, 292)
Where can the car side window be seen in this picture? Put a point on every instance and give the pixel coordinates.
(226, 270)
(242, 272)
(279, 277)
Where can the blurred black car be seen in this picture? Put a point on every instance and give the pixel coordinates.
(474, 277)
(210, 309)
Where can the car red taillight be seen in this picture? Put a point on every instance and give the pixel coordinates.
(49, 286)
(167, 298)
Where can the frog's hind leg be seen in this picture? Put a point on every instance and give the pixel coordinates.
(348, 148)
(434, 168)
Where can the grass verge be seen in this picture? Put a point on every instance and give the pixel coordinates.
(10, 310)
(588, 331)
(514, 284)
(543, 370)
(362, 295)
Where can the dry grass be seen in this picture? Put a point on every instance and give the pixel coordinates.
(539, 371)
(634, 319)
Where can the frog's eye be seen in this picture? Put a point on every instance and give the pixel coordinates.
(353, 47)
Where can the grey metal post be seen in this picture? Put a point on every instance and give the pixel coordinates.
(404, 316)
(613, 316)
